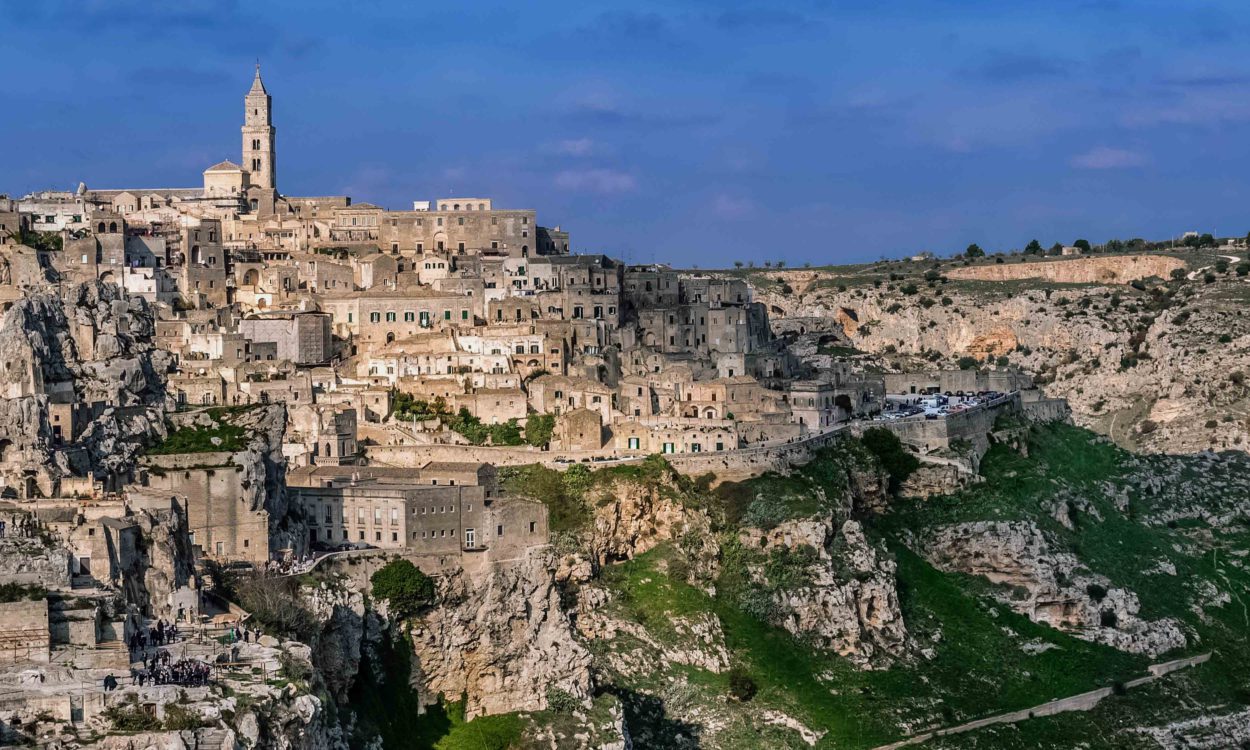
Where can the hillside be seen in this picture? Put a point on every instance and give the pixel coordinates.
(1150, 350)
(815, 611)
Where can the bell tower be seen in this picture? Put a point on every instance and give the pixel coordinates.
(259, 158)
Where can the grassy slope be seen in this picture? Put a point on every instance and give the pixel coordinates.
(977, 666)
(1070, 462)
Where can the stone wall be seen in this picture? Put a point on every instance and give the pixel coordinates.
(970, 426)
(24, 632)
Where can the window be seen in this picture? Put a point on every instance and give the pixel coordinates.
(349, 317)
(447, 315)
(634, 444)
(409, 317)
(668, 448)
(464, 314)
(499, 531)
(533, 527)
(390, 317)
(470, 538)
(375, 317)
(460, 222)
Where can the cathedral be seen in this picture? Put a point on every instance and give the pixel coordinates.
(255, 180)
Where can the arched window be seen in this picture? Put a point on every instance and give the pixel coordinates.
(112, 226)
(100, 228)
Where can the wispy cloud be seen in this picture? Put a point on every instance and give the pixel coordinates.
(733, 207)
(575, 147)
(1105, 157)
(607, 181)
(1014, 67)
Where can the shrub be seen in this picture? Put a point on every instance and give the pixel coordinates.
(292, 668)
(1237, 377)
(1096, 592)
(561, 701)
(131, 717)
(403, 586)
(179, 718)
(1147, 426)
(968, 363)
(741, 685)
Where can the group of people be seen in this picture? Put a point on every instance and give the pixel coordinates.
(158, 671)
(20, 526)
(158, 635)
(240, 634)
(291, 565)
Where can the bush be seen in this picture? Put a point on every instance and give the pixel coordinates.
(561, 701)
(1147, 426)
(293, 668)
(741, 685)
(403, 586)
(1096, 592)
(179, 718)
(968, 363)
(131, 717)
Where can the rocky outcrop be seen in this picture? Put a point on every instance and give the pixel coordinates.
(1203, 733)
(1046, 585)
(633, 517)
(499, 637)
(848, 600)
(92, 346)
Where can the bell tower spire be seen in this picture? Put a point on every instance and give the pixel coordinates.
(259, 136)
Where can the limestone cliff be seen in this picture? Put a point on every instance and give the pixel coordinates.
(1048, 585)
(1154, 365)
(846, 598)
(91, 346)
(499, 637)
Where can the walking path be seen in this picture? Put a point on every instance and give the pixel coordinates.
(1081, 702)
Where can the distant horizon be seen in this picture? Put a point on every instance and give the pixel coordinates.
(685, 133)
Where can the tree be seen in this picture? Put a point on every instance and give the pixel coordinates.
(403, 586)
(737, 264)
(1033, 248)
(1207, 240)
(781, 264)
(974, 251)
(1082, 245)
(1056, 249)
(968, 363)
(539, 429)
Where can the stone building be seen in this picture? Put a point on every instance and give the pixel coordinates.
(440, 508)
(302, 337)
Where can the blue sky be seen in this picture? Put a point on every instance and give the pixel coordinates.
(691, 132)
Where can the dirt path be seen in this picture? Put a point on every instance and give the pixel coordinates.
(1081, 702)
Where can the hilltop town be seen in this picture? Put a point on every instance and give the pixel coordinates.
(306, 472)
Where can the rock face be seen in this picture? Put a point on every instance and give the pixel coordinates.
(93, 346)
(1048, 586)
(849, 600)
(631, 518)
(1204, 733)
(500, 638)
(1153, 370)
(1120, 269)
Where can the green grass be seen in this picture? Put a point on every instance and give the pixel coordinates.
(979, 668)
